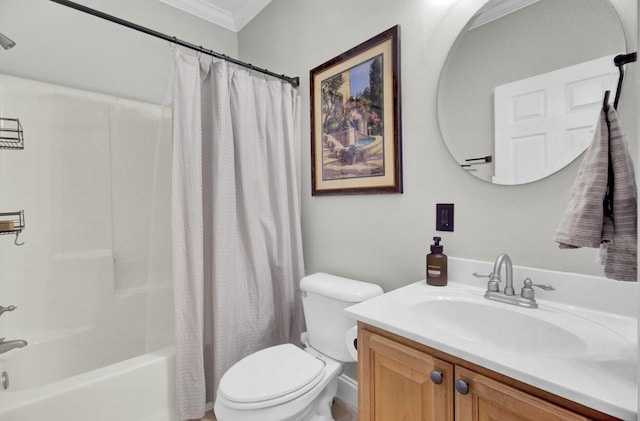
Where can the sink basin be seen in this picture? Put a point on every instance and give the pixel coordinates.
(544, 332)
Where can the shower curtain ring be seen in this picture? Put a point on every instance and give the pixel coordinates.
(173, 44)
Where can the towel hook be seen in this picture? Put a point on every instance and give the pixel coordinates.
(620, 60)
(16, 240)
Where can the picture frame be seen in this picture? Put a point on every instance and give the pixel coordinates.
(356, 136)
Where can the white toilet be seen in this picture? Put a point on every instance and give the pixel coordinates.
(286, 383)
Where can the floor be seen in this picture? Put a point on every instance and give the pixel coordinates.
(340, 410)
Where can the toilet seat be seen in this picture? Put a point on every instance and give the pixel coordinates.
(270, 377)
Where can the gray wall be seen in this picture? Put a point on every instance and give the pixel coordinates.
(384, 238)
(60, 45)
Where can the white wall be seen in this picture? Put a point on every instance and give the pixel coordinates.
(384, 238)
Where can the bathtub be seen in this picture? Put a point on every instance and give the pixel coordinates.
(137, 389)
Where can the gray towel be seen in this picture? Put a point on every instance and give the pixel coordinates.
(582, 222)
(620, 255)
(585, 223)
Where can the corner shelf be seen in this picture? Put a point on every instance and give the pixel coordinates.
(11, 133)
(12, 223)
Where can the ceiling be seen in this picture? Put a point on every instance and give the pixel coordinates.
(230, 14)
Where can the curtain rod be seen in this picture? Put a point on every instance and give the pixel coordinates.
(295, 81)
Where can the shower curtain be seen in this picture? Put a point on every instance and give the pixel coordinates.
(237, 248)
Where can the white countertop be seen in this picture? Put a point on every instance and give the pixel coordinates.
(605, 384)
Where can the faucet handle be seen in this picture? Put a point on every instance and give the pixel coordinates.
(492, 285)
(527, 290)
(479, 275)
(545, 287)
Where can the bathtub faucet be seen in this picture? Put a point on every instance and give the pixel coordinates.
(6, 346)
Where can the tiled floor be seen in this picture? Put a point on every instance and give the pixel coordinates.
(340, 410)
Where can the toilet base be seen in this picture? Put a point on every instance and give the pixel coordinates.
(324, 402)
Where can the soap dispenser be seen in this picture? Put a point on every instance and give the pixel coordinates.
(437, 264)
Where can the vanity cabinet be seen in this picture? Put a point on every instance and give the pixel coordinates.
(394, 382)
(488, 399)
(399, 379)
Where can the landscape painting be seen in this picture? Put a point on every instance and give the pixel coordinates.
(352, 125)
(355, 113)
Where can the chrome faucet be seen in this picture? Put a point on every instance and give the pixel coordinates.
(6, 346)
(494, 278)
(526, 297)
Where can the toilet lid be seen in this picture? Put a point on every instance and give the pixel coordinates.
(270, 374)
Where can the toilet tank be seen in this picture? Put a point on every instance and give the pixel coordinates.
(324, 299)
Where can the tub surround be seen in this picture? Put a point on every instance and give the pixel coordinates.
(137, 389)
(607, 385)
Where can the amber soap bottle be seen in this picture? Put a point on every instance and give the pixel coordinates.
(437, 264)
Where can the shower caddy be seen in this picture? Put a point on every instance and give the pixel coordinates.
(11, 137)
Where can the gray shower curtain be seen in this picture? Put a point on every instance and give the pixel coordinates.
(237, 248)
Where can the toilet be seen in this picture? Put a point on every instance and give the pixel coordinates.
(287, 383)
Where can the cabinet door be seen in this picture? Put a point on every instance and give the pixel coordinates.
(395, 383)
(488, 400)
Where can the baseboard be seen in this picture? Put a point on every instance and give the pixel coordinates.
(348, 390)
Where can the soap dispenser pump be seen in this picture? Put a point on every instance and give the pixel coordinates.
(437, 264)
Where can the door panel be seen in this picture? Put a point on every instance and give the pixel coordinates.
(396, 379)
(490, 400)
(544, 122)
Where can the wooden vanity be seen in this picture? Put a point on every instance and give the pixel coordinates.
(399, 379)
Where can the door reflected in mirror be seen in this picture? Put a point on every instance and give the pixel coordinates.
(522, 86)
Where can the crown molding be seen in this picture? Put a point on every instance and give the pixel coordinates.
(497, 9)
(248, 11)
(233, 20)
(205, 10)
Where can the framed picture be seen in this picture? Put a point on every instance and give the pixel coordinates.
(355, 120)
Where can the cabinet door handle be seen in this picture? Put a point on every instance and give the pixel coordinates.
(436, 376)
(462, 386)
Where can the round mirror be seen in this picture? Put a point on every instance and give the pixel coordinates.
(523, 84)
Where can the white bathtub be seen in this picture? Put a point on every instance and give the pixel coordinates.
(137, 389)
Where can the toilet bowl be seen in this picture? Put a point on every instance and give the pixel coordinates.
(285, 382)
(273, 396)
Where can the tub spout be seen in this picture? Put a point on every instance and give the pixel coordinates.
(6, 346)
(4, 309)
